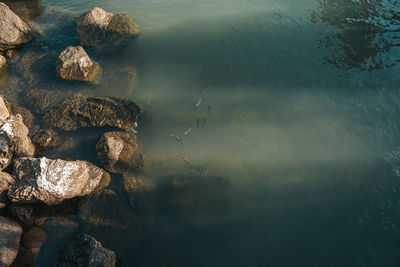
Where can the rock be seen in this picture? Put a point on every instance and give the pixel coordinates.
(28, 255)
(41, 100)
(27, 10)
(17, 133)
(3, 62)
(46, 138)
(12, 54)
(34, 237)
(21, 212)
(4, 111)
(10, 236)
(75, 64)
(52, 181)
(27, 116)
(117, 152)
(13, 31)
(85, 251)
(110, 220)
(141, 190)
(79, 111)
(97, 26)
(5, 183)
(6, 151)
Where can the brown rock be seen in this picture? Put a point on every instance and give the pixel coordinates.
(3, 63)
(21, 212)
(28, 255)
(34, 237)
(47, 137)
(141, 190)
(10, 236)
(75, 64)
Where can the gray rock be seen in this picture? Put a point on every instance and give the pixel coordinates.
(117, 152)
(10, 236)
(74, 63)
(13, 30)
(97, 26)
(85, 251)
(52, 181)
(79, 111)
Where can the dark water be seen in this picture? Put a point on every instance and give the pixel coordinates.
(294, 108)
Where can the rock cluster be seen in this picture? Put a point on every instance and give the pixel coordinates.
(74, 63)
(13, 30)
(97, 26)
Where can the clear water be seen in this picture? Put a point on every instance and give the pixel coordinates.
(294, 108)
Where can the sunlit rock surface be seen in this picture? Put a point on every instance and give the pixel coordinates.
(97, 26)
(10, 236)
(74, 63)
(52, 181)
(13, 30)
(79, 111)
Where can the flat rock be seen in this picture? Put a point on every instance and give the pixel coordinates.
(13, 30)
(117, 152)
(74, 63)
(85, 251)
(78, 111)
(52, 181)
(10, 236)
(97, 26)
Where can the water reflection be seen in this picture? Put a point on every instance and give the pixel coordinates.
(367, 32)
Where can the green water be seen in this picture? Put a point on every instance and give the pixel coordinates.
(294, 110)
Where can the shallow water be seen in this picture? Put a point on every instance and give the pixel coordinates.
(294, 150)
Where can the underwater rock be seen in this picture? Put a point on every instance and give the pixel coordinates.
(34, 237)
(13, 30)
(46, 138)
(85, 251)
(141, 190)
(79, 111)
(28, 255)
(41, 100)
(21, 212)
(6, 181)
(27, 10)
(97, 26)
(106, 217)
(74, 63)
(10, 236)
(52, 181)
(117, 152)
(17, 133)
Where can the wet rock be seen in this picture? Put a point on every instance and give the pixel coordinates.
(27, 116)
(28, 255)
(46, 138)
(97, 26)
(13, 31)
(41, 101)
(52, 181)
(15, 130)
(117, 152)
(110, 220)
(141, 190)
(10, 236)
(27, 10)
(6, 181)
(75, 64)
(79, 111)
(12, 54)
(6, 151)
(83, 250)
(32, 64)
(21, 212)
(4, 111)
(34, 237)
(3, 62)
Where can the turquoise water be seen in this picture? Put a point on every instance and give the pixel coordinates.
(293, 108)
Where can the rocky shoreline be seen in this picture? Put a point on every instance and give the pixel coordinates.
(35, 186)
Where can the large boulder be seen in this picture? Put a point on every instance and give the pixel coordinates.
(10, 236)
(74, 63)
(97, 26)
(79, 111)
(85, 251)
(52, 181)
(117, 152)
(13, 30)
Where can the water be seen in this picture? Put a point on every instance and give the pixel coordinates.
(294, 150)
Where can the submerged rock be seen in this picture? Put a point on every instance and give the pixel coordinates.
(75, 64)
(52, 181)
(110, 220)
(10, 236)
(97, 26)
(117, 152)
(13, 30)
(85, 251)
(141, 190)
(79, 111)
(21, 212)
(34, 237)
(6, 181)
(47, 138)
